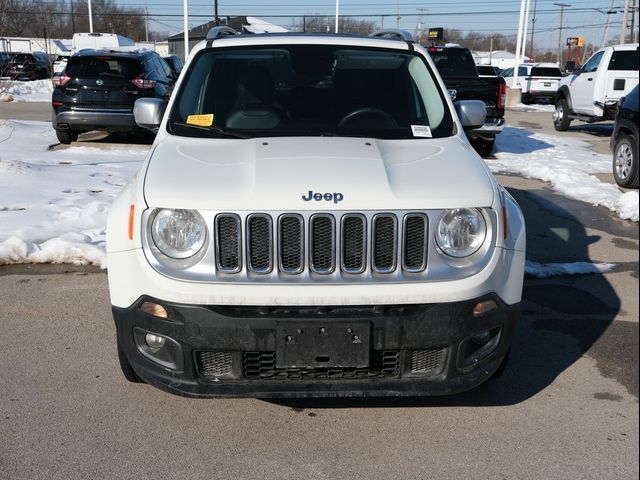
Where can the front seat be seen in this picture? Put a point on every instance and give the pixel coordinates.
(254, 108)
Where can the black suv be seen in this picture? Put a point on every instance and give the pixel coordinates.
(624, 141)
(98, 89)
(29, 66)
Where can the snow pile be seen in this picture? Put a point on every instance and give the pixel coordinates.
(54, 204)
(565, 162)
(544, 270)
(532, 107)
(35, 91)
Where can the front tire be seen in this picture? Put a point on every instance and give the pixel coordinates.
(483, 146)
(625, 162)
(561, 120)
(66, 136)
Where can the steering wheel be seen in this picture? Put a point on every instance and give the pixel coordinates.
(366, 111)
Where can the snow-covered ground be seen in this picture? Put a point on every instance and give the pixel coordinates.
(567, 163)
(35, 91)
(54, 203)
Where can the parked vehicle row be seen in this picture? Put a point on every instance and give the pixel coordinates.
(537, 81)
(460, 75)
(25, 66)
(98, 89)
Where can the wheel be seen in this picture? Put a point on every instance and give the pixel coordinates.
(66, 136)
(483, 146)
(561, 121)
(367, 112)
(625, 162)
(125, 366)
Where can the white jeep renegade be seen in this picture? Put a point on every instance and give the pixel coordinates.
(311, 221)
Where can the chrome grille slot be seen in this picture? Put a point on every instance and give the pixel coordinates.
(322, 243)
(354, 243)
(414, 255)
(384, 243)
(291, 243)
(228, 243)
(259, 243)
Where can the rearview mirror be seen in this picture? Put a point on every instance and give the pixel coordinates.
(471, 113)
(148, 113)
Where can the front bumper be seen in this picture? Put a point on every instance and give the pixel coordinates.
(85, 120)
(232, 351)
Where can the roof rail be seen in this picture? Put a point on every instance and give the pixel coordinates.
(394, 34)
(220, 32)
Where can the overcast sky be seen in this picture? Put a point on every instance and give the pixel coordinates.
(584, 17)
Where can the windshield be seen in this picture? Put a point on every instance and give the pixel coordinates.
(310, 90)
(545, 72)
(91, 67)
(22, 58)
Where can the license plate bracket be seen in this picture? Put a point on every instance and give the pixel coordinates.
(322, 344)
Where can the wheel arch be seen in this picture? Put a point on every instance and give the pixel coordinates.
(564, 92)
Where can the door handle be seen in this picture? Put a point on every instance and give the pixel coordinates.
(590, 79)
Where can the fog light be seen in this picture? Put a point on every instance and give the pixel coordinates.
(479, 338)
(154, 309)
(155, 342)
(482, 308)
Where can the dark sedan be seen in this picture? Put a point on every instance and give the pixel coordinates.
(624, 141)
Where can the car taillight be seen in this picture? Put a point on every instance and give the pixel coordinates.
(502, 95)
(143, 84)
(61, 80)
(57, 104)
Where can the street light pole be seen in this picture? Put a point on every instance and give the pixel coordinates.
(90, 19)
(185, 15)
(514, 81)
(337, 15)
(561, 5)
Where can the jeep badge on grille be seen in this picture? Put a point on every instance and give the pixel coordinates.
(335, 197)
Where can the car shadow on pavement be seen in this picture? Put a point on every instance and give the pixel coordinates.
(562, 318)
(519, 140)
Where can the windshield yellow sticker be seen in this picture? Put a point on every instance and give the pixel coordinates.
(201, 120)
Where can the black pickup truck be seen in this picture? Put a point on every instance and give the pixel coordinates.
(458, 70)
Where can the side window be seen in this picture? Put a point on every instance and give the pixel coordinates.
(592, 64)
(166, 69)
(522, 71)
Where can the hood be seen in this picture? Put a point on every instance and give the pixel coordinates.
(316, 173)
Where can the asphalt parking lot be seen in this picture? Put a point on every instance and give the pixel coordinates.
(566, 406)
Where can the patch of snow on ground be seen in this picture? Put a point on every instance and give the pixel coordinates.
(532, 107)
(54, 204)
(544, 270)
(34, 91)
(567, 163)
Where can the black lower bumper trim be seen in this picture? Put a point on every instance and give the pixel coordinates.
(231, 351)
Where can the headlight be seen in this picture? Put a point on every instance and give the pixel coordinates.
(461, 232)
(178, 233)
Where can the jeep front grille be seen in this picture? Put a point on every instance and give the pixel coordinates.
(337, 244)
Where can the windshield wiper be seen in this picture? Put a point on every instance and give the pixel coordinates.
(220, 131)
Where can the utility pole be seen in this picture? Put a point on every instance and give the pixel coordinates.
(421, 24)
(606, 28)
(146, 24)
(633, 22)
(561, 5)
(623, 30)
(398, 17)
(518, 45)
(533, 29)
(215, 12)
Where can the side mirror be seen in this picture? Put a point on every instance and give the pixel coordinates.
(471, 113)
(148, 113)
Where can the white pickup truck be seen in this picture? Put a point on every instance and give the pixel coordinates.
(591, 93)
